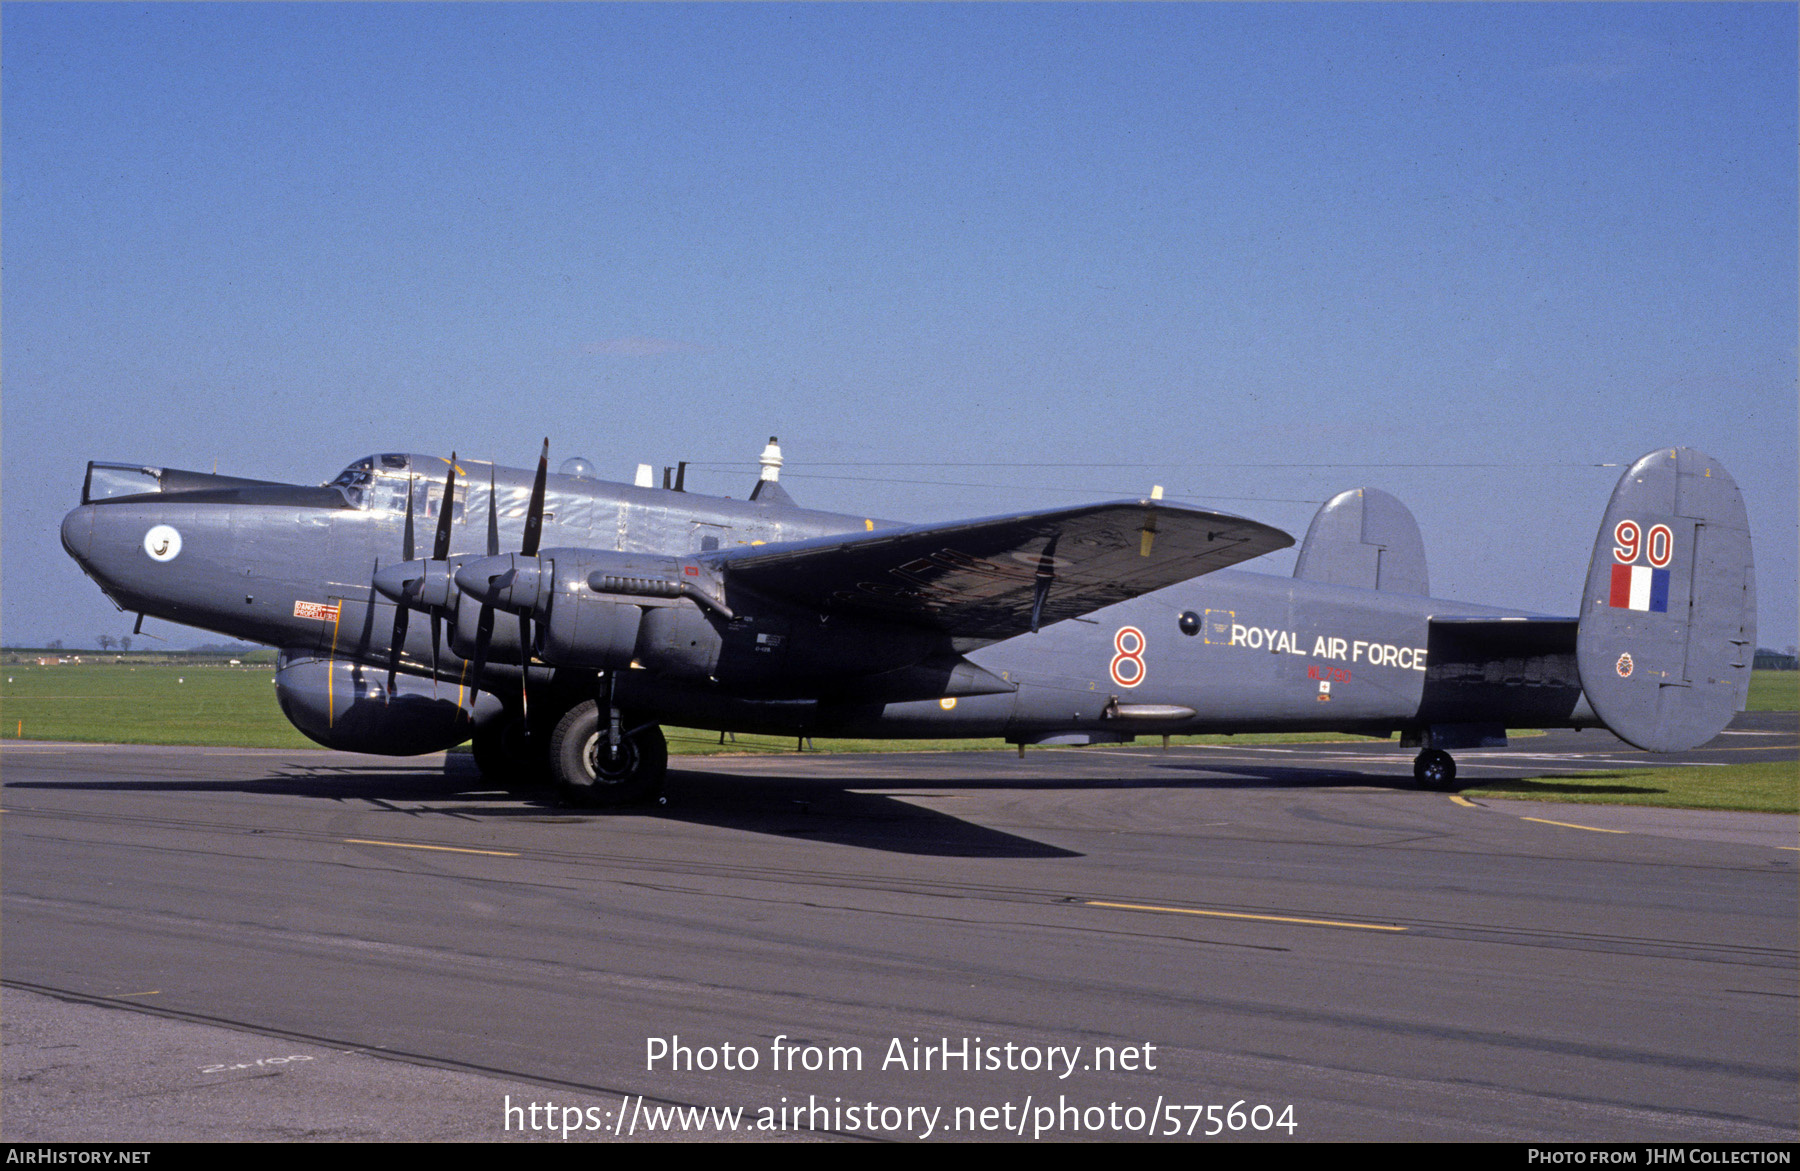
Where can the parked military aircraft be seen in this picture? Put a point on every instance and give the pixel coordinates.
(558, 621)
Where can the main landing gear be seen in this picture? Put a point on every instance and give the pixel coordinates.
(1434, 769)
(593, 754)
(594, 764)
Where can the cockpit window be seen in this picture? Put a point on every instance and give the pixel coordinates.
(380, 482)
(376, 489)
(354, 481)
(361, 469)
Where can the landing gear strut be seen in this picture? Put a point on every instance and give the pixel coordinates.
(590, 770)
(1434, 769)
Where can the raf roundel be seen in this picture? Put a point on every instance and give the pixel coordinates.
(163, 543)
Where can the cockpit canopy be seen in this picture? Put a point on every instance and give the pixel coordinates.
(376, 482)
(379, 483)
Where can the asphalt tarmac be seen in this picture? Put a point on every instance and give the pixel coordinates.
(1283, 943)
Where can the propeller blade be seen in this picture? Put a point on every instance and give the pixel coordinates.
(525, 671)
(534, 517)
(401, 611)
(484, 633)
(493, 545)
(406, 539)
(437, 633)
(484, 621)
(440, 546)
(440, 549)
(534, 532)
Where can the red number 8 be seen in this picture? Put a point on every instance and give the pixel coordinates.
(1128, 665)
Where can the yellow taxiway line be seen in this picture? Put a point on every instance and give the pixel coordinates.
(445, 849)
(1245, 915)
(1593, 829)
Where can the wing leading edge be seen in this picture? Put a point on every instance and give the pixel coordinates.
(997, 577)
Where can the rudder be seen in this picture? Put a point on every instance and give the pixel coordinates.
(1668, 617)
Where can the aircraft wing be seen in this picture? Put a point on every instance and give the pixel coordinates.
(997, 577)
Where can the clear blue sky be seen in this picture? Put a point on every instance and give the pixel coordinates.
(962, 259)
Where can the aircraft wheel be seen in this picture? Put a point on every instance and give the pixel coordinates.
(489, 748)
(503, 754)
(1434, 769)
(578, 760)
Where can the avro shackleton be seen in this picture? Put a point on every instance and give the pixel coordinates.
(558, 621)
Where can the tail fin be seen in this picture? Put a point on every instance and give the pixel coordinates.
(1668, 618)
(1367, 539)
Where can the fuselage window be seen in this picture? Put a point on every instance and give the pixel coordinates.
(428, 497)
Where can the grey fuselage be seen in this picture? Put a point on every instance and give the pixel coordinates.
(292, 567)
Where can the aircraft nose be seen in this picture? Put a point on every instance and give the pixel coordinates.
(124, 547)
(78, 533)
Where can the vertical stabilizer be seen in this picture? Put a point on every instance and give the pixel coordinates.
(1668, 618)
(1367, 539)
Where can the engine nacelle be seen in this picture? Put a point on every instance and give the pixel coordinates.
(349, 707)
(610, 611)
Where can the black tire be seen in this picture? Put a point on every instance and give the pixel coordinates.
(1434, 769)
(504, 754)
(488, 746)
(578, 760)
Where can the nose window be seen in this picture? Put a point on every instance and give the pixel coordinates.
(104, 481)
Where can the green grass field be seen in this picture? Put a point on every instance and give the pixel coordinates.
(146, 703)
(1774, 691)
(1771, 787)
(213, 704)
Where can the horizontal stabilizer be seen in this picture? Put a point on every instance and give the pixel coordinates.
(985, 580)
(1668, 616)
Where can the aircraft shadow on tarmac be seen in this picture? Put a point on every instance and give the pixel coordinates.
(824, 810)
(1523, 782)
(842, 810)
